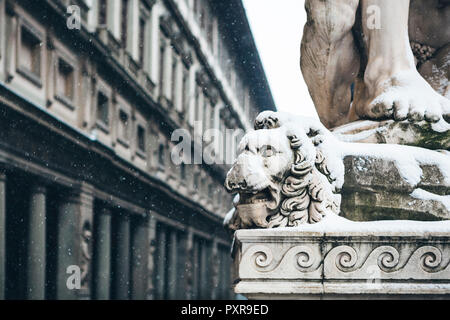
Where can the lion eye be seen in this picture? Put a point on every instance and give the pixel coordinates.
(267, 151)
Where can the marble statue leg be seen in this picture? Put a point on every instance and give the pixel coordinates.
(329, 57)
(392, 87)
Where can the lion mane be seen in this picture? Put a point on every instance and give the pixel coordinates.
(307, 190)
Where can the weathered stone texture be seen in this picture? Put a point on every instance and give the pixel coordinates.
(374, 190)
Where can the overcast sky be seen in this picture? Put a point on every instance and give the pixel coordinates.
(277, 27)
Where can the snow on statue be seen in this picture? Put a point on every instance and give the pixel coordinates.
(290, 170)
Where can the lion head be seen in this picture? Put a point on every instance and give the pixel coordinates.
(281, 178)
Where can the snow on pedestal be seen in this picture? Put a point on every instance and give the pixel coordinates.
(338, 258)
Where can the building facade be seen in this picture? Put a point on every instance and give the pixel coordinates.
(91, 204)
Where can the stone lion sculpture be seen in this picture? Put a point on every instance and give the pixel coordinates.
(291, 171)
(361, 61)
(281, 176)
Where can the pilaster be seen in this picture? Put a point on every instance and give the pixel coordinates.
(2, 235)
(139, 258)
(102, 267)
(36, 257)
(121, 259)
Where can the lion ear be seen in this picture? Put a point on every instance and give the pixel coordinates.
(270, 122)
(259, 124)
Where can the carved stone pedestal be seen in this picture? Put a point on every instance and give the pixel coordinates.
(344, 260)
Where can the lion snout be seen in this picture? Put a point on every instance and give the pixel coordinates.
(235, 180)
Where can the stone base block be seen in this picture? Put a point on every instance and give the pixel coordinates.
(344, 260)
(374, 189)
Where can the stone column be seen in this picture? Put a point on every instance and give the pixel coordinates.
(199, 111)
(133, 29)
(172, 265)
(36, 248)
(2, 235)
(205, 287)
(2, 26)
(154, 44)
(114, 16)
(161, 267)
(121, 279)
(74, 245)
(92, 15)
(222, 270)
(225, 148)
(192, 92)
(67, 245)
(189, 264)
(218, 139)
(139, 258)
(196, 270)
(102, 242)
(206, 114)
(151, 257)
(214, 269)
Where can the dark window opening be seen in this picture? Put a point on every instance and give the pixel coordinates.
(66, 81)
(161, 67)
(124, 23)
(141, 139)
(30, 57)
(174, 78)
(161, 155)
(124, 126)
(103, 108)
(183, 171)
(185, 90)
(102, 12)
(142, 26)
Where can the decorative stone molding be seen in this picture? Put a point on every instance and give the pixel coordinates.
(375, 261)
